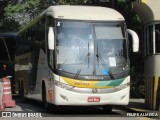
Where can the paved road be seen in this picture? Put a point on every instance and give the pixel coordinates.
(69, 113)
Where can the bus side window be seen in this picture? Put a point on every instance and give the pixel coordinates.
(36, 36)
(40, 34)
(157, 38)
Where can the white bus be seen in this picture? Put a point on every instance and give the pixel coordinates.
(75, 55)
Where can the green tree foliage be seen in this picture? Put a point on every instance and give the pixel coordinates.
(6, 25)
(22, 12)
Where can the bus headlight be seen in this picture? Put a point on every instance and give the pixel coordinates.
(62, 85)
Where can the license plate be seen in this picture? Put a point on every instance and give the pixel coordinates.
(93, 99)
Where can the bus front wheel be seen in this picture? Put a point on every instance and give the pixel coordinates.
(44, 99)
(19, 89)
(22, 92)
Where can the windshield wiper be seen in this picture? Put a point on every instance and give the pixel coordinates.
(98, 55)
(86, 58)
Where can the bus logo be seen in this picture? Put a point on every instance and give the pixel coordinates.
(94, 90)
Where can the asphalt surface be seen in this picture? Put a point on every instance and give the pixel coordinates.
(136, 110)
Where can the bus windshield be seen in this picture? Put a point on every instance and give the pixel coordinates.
(90, 48)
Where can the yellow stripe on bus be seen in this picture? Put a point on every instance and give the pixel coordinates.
(155, 91)
(83, 84)
(151, 86)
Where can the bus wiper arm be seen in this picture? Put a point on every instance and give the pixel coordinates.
(98, 55)
(86, 58)
(79, 70)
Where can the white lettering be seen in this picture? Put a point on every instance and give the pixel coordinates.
(142, 114)
(34, 115)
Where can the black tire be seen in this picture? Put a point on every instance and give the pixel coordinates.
(19, 89)
(22, 92)
(44, 100)
(107, 108)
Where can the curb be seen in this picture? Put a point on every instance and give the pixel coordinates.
(130, 109)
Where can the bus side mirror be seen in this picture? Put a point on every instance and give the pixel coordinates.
(51, 38)
(135, 40)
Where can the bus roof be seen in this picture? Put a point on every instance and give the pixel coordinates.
(76, 12)
(8, 35)
(84, 13)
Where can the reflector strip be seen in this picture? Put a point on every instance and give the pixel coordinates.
(6, 82)
(5, 88)
(6, 93)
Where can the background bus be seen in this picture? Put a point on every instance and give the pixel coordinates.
(7, 48)
(75, 55)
